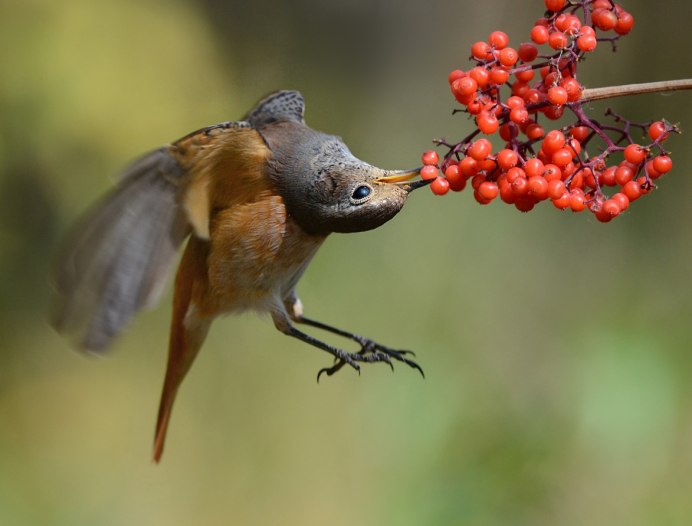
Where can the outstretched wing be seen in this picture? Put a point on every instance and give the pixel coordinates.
(116, 260)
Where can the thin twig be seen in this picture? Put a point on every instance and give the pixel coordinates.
(592, 94)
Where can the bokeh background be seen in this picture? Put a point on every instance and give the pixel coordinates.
(558, 383)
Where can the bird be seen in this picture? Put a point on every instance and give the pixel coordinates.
(253, 200)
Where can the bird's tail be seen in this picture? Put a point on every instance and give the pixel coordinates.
(188, 330)
(117, 258)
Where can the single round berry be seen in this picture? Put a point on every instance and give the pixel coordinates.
(624, 24)
(634, 153)
(573, 88)
(499, 75)
(498, 39)
(488, 190)
(440, 186)
(576, 201)
(538, 187)
(508, 57)
(553, 141)
(556, 189)
(527, 52)
(429, 172)
(519, 115)
(487, 122)
(554, 5)
(454, 75)
(623, 174)
(468, 167)
(557, 95)
(430, 157)
(656, 129)
(540, 34)
(481, 51)
(632, 190)
(480, 149)
(622, 200)
(507, 159)
(558, 40)
(662, 164)
(587, 43)
(457, 181)
(611, 207)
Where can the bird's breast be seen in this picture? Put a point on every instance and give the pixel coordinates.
(257, 254)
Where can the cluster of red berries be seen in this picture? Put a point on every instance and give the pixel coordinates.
(534, 165)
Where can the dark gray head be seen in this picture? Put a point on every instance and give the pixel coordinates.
(325, 188)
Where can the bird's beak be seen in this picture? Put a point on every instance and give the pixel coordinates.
(402, 178)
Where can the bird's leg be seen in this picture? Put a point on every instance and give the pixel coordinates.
(370, 351)
(367, 347)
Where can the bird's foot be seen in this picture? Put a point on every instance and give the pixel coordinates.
(370, 352)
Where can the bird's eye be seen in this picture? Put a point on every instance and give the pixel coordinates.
(361, 193)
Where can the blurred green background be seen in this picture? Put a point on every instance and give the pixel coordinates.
(556, 349)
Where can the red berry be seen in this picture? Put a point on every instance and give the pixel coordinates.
(519, 115)
(457, 181)
(507, 194)
(487, 122)
(480, 149)
(480, 75)
(440, 186)
(465, 86)
(520, 186)
(468, 167)
(429, 172)
(604, 19)
(533, 166)
(481, 51)
(524, 204)
(553, 141)
(538, 187)
(498, 75)
(556, 189)
(557, 95)
(624, 24)
(573, 88)
(656, 129)
(634, 153)
(607, 177)
(558, 40)
(562, 157)
(527, 52)
(576, 201)
(632, 190)
(563, 201)
(506, 159)
(554, 5)
(622, 200)
(610, 207)
(454, 75)
(508, 57)
(651, 170)
(662, 164)
(580, 133)
(488, 190)
(498, 39)
(540, 34)
(534, 131)
(623, 174)
(587, 43)
(430, 157)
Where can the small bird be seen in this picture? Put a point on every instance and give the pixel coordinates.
(255, 199)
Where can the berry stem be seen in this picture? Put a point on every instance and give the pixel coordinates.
(592, 94)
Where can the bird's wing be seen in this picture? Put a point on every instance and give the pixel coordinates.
(116, 259)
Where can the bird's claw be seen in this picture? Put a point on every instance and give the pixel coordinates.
(371, 352)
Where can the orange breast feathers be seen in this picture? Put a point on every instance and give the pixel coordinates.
(256, 252)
